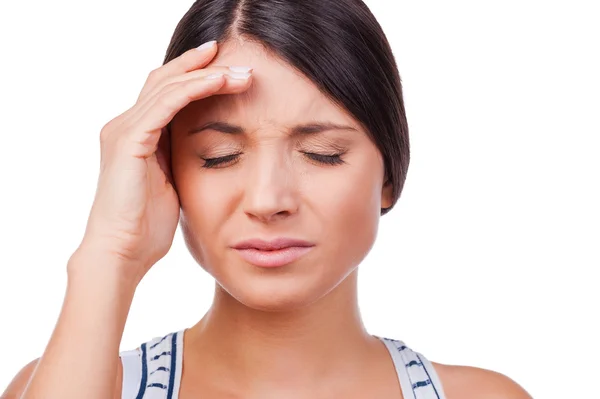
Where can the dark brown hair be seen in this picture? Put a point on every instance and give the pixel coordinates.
(337, 44)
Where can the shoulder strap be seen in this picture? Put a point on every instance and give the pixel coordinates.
(418, 379)
(153, 370)
(132, 373)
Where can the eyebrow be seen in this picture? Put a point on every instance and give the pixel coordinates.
(298, 130)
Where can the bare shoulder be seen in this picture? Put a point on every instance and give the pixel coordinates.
(19, 383)
(17, 386)
(464, 382)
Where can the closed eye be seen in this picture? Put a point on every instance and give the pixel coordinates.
(332, 159)
(327, 159)
(220, 161)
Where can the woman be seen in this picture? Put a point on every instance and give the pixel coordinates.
(277, 144)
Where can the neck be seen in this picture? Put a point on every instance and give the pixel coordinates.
(261, 351)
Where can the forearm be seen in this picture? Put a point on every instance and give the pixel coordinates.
(80, 360)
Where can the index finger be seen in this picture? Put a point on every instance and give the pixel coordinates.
(190, 60)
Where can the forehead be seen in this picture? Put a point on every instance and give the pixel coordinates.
(279, 94)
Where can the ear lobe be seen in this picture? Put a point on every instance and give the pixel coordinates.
(387, 192)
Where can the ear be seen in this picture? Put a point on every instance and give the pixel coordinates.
(163, 153)
(387, 192)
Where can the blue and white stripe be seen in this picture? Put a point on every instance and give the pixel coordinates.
(153, 371)
(158, 377)
(418, 379)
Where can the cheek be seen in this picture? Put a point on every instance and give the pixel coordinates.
(201, 194)
(352, 190)
(348, 205)
(343, 202)
(204, 195)
(204, 199)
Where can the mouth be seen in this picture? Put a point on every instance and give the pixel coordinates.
(275, 253)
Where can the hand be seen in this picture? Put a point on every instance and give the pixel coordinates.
(136, 209)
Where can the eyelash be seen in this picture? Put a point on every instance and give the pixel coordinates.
(215, 162)
(329, 159)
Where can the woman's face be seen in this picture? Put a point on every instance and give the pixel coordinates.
(272, 186)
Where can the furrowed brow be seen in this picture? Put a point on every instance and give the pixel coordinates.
(298, 130)
(219, 126)
(317, 127)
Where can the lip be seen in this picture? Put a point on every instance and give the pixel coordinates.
(273, 253)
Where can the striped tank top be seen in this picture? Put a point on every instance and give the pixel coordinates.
(153, 371)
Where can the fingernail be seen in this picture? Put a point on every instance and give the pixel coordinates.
(213, 76)
(243, 69)
(239, 75)
(206, 45)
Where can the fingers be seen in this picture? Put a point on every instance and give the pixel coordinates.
(235, 82)
(234, 72)
(190, 60)
(169, 89)
(172, 98)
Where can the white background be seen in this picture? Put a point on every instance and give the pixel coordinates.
(489, 259)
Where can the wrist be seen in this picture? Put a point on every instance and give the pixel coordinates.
(97, 266)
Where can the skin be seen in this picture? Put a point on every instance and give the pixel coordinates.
(284, 332)
(281, 331)
(294, 331)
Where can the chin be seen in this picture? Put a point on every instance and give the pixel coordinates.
(274, 292)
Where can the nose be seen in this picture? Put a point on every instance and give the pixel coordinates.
(270, 189)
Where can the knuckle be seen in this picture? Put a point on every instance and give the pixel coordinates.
(165, 101)
(154, 75)
(105, 132)
(110, 126)
(165, 97)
